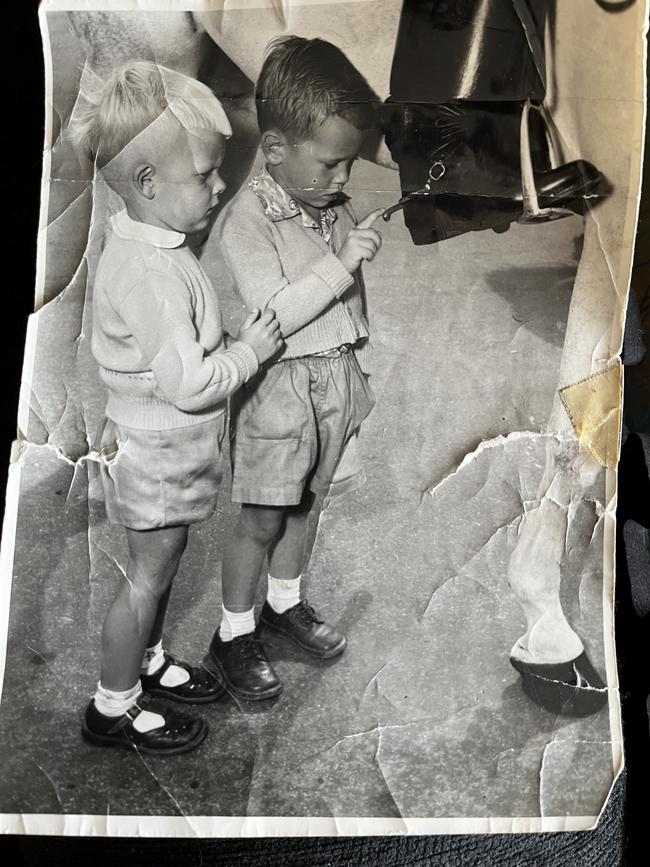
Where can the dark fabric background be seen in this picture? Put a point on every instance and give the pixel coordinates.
(621, 832)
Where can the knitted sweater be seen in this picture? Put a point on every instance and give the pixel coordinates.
(280, 258)
(157, 332)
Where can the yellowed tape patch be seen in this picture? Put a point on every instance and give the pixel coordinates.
(594, 407)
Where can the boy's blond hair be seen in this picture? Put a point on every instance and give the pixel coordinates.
(112, 112)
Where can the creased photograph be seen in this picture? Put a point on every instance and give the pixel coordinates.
(310, 521)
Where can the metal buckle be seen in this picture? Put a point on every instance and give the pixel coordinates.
(436, 176)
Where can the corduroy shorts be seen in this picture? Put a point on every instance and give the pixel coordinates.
(294, 428)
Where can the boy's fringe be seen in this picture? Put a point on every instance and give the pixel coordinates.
(110, 112)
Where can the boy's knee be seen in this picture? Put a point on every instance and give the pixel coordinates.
(152, 584)
(261, 524)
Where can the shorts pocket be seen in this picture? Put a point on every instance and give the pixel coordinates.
(108, 441)
(363, 397)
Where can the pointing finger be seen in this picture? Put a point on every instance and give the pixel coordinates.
(370, 218)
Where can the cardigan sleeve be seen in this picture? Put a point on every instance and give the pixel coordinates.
(257, 270)
(158, 312)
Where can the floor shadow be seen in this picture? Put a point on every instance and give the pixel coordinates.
(539, 298)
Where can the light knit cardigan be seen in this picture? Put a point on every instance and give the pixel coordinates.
(277, 262)
(157, 332)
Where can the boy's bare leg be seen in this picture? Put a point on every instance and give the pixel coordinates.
(256, 529)
(115, 717)
(285, 611)
(154, 557)
(156, 633)
(235, 656)
(291, 550)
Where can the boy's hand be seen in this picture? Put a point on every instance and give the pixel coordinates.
(361, 243)
(262, 332)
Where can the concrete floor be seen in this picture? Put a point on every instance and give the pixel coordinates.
(423, 715)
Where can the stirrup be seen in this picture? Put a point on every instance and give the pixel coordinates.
(532, 213)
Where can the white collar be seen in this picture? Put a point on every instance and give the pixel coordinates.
(130, 230)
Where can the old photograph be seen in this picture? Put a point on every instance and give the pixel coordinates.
(310, 520)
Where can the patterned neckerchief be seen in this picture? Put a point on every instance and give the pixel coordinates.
(279, 205)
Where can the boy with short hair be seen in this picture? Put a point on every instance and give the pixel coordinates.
(292, 242)
(159, 139)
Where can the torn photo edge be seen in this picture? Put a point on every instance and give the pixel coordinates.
(226, 826)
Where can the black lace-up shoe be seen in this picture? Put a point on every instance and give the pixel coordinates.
(200, 688)
(304, 627)
(243, 666)
(179, 733)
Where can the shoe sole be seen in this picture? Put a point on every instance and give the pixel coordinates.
(337, 650)
(211, 664)
(98, 740)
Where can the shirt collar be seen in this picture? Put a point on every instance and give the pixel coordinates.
(279, 205)
(130, 230)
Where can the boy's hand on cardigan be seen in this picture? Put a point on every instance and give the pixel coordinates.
(262, 332)
(361, 243)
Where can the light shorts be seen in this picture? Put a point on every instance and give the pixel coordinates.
(165, 478)
(294, 427)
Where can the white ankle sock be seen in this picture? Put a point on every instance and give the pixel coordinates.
(112, 702)
(236, 623)
(282, 594)
(154, 658)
